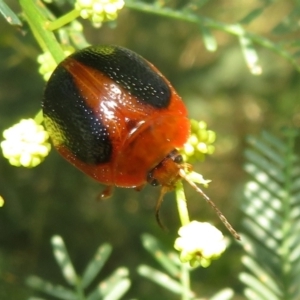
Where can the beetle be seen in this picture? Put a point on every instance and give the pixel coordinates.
(114, 116)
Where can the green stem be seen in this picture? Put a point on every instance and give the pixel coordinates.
(185, 282)
(80, 290)
(233, 29)
(39, 117)
(44, 37)
(62, 21)
(181, 204)
(287, 227)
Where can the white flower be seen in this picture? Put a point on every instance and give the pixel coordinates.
(199, 243)
(26, 144)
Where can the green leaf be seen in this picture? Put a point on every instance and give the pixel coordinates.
(9, 15)
(156, 250)
(224, 294)
(96, 264)
(261, 273)
(271, 218)
(62, 257)
(290, 23)
(209, 40)
(50, 289)
(256, 159)
(250, 55)
(162, 279)
(258, 287)
(119, 290)
(115, 285)
(252, 15)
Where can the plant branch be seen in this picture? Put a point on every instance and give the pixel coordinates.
(233, 29)
(37, 22)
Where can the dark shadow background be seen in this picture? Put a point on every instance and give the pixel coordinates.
(55, 198)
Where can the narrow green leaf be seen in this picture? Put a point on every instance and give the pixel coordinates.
(269, 237)
(152, 245)
(96, 264)
(258, 287)
(290, 23)
(50, 289)
(296, 186)
(162, 279)
(252, 295)
(119, 290)
(209, 40)
(272, 219)
(295, 214)
(109, 284)
(264, 180)
(254, 190)
(224, 294)
(250, 55)
(259, 204)
(252, 15)
(259, 271)
(9, 15)
(257, 159)
(295, 254)
(267, 151)
(62, 257)
(273, 141)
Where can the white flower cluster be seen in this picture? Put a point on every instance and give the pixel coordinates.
(26, 144)
(199, 243)
(99, 11)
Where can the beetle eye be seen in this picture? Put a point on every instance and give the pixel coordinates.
(151, 180)
(178, 159)
(154, 182)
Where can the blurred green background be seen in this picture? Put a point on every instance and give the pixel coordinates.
(55, 198)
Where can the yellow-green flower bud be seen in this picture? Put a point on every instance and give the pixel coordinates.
(26, 144)
(99, 11)
(199, 243)
(48, 64)
(199, 142)
(1, 201)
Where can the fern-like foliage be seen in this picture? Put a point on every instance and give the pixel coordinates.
(112, 288)
(272, 219)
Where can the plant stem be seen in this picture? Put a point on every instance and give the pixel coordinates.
(233, 29)
(185, 282)
(62, 21)
(39, 117)
(37, 22)
(79, 289)
(287, 227)
(181, 204)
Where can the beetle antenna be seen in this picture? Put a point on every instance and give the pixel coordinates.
(159, 201)
(212, 204)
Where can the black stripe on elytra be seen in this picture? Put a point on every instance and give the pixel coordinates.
(130, 70)
(72, 123)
